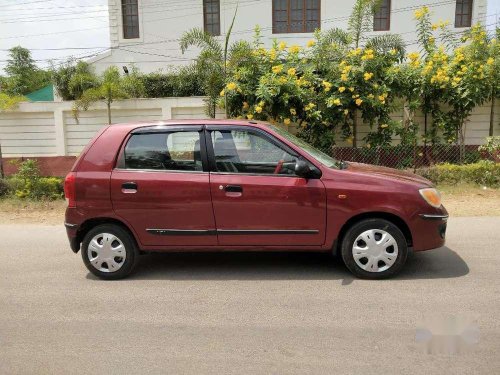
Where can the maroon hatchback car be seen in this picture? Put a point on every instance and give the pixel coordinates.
(205, 185)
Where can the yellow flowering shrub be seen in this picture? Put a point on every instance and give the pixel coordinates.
(277, 69)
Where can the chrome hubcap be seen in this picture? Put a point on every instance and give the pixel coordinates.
(106, 252)
(375, 250)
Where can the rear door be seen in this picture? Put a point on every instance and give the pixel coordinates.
(161, 187)
(258, 200)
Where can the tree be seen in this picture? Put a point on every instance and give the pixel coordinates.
(213, 60)
(7, 102)
(494, 75)
(469, 86)
(23, 74)
(359, 24)
(72, 79)
(110, 86)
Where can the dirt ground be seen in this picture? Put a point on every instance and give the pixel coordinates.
(460, 200)
(17, 211)
(465, 200)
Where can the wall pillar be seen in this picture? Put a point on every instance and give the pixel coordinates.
(166, 111)
(60, 133)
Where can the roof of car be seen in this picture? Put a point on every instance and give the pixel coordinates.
(140, 124)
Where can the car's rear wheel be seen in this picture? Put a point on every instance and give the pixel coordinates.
(109, 252)
(374, 249)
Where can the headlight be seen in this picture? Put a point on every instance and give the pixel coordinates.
(431, 196)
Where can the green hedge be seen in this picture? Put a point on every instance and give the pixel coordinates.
(485, 173)
(161, 85)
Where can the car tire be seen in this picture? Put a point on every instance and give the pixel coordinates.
(109, 252)
(374, 249)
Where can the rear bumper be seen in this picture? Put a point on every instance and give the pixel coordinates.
(72, 223)
(429, 230)
(72, 232)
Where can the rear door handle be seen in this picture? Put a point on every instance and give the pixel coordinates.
(233, 189)
(129, 187)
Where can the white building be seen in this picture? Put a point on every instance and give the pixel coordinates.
(146, 33)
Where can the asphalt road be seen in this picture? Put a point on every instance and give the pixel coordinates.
(243, 313)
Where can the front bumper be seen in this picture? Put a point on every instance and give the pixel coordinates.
(434, 217)
(429, 230)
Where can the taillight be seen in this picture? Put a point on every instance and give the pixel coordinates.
(70, 189)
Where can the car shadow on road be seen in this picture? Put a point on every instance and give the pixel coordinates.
(434, 264)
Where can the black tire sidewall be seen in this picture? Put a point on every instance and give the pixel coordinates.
(367, 224)
(130, 249)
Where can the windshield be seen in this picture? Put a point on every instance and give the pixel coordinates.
(315, 153)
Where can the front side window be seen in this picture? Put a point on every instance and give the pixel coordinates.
(243, 151)
(296, 16)
(315, 153)
(211, 17)
(175, 151)
(382, 17)
(130, 19)
(463, 13)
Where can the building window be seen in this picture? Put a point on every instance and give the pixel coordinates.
(211, 16)
(296, 16)
(382, 17)
(463, 13)
(130, 18)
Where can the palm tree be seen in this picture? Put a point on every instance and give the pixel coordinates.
(212, 62)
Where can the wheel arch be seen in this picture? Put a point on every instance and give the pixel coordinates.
(89, 224)
(394, 219)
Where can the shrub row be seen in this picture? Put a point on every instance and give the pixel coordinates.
(485, 173)
(161, 85)
(27, 183)
(43, 188)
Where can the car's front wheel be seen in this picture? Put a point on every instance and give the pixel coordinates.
(109, 252)
(374, 249)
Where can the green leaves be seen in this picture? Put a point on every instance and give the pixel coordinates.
(8, 102)
(24, 76)
(109, 87)
(361, 20)
(389, 45)
(198, 38)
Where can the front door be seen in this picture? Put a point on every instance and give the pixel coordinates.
(258, 200)
(161, 188)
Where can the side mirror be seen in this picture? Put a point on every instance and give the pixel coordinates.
(302, 169)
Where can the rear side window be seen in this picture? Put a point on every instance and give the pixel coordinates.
(174, 151)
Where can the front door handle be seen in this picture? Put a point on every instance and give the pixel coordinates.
(233, 189)
(129, 187)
